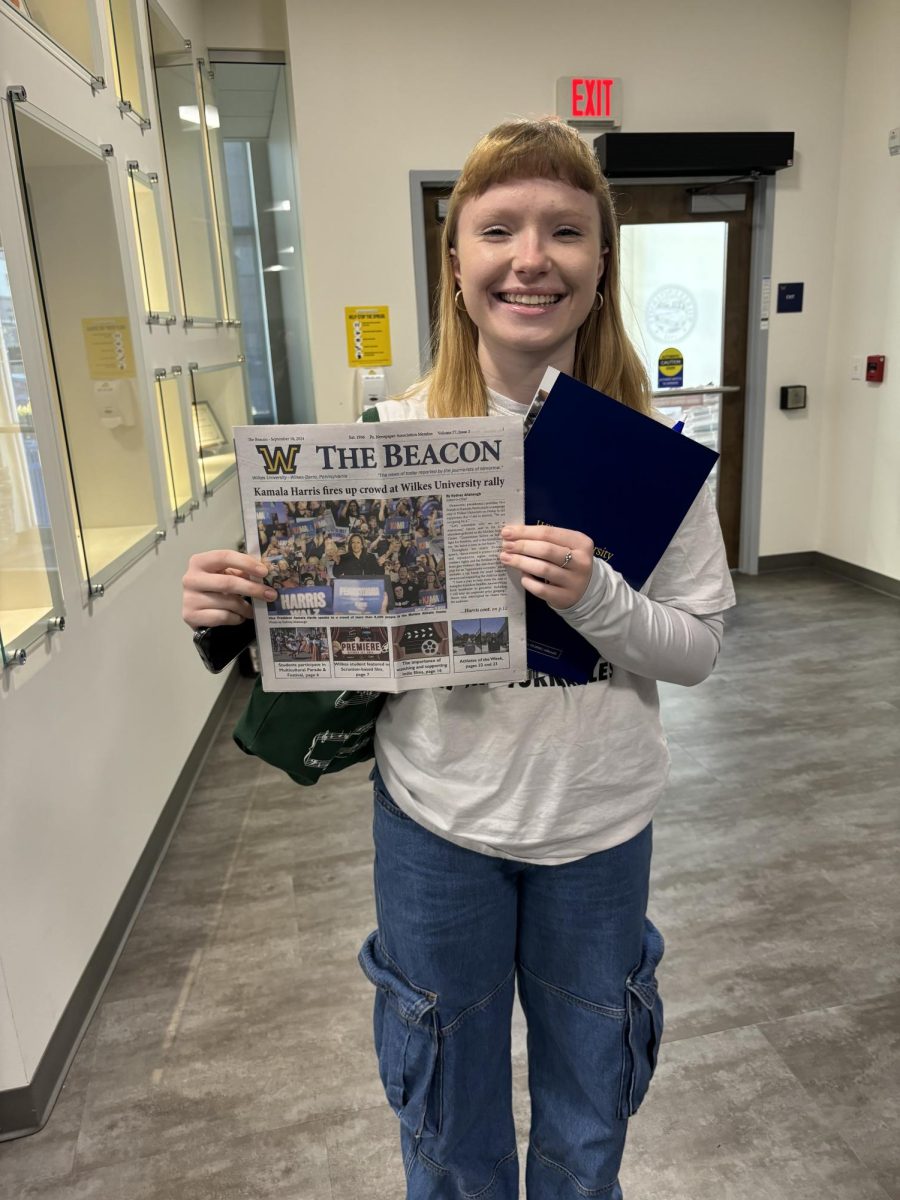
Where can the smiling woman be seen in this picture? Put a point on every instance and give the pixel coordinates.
(513, 825)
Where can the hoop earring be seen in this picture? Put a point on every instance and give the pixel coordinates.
(456, 304)
(598, 302)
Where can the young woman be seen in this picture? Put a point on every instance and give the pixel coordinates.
(513, 823)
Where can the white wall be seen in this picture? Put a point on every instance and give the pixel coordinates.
(97, 725)
(860, 485)
(380, 91)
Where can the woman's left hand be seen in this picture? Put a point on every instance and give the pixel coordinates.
(556, 564)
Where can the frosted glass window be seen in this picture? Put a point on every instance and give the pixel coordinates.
(170, 412)
(148, 231)
(673, 277)
(74, 230)
(29, 582)
(68, 23)
(128, 63)
(219, 403)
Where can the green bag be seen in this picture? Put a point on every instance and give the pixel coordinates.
(309, 734)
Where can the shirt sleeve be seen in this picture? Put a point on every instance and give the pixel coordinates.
(672, 629)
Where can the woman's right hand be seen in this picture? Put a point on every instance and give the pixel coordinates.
(215, 585)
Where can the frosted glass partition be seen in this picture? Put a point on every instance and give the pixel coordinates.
(702, 417)
(212, 126)
(182, 127)
(219, 397)
(145, 205)
(30, 596)
(69, 24)
(128, 60)
(174, 432)
(75, 233)
(673, 275)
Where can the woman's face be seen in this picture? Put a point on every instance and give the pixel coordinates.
(356, 545)
(528, 259)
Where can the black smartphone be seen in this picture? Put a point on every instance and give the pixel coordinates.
(220, 645)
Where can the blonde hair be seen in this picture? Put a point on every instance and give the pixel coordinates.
(604, 356)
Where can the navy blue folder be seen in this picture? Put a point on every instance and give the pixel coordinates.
(624, 479)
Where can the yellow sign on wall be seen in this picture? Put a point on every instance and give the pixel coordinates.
(107, 342)
(368, 336)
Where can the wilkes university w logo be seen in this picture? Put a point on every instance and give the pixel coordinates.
(280, 460)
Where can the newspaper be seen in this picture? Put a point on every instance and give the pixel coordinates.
(383, 540)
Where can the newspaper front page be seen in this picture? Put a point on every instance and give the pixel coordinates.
(383, 540)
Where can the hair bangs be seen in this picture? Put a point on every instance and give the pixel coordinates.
(545, 149)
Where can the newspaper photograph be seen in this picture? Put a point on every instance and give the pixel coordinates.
(382, 540)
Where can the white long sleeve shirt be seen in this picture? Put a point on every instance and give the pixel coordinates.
(546, 771)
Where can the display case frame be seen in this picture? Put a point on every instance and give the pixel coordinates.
(176, 70)
(215, 163)
(212, 470)
(92, 77)
(152, 241)
(104, 550)
(176, 429)
(19, 632)
(138, 108)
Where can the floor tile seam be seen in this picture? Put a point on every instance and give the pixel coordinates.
(854, 1003)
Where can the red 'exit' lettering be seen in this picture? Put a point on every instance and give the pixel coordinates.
(592, 97)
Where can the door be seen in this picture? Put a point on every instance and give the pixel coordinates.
(685, 284)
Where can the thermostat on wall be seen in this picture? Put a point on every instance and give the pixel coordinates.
(793, 396)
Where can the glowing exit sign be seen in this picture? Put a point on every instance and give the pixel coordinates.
(590, 100)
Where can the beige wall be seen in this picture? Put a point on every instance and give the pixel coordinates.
(381, 91)
(860, 463)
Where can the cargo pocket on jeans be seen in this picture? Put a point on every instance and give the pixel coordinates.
(643, 1023)
(407, 1042)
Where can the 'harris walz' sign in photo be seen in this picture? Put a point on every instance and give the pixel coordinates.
(361, 643)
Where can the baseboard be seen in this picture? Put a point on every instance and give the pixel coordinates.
(26, 1110)
(834, 566)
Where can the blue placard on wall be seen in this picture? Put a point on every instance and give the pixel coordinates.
(790, 297)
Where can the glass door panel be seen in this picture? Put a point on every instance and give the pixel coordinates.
(127, 59)
(219, 403)
(674, 277)
(68, 23)
(30, 595)
(158, 298)
(74, 231)
(170, 413)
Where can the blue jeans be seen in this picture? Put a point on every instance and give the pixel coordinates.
(457, 930)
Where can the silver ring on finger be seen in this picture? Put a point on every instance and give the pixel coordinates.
(567, 559)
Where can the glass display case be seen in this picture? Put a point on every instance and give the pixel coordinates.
(155, 280)
(76, 227)
(70, 25)
(30, 595)
(182, 127)
(174, 433)
(218, 175)
(219, 402)
(128, 60)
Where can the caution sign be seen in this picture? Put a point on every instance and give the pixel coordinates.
(368, 336)
(671, 368)
(107, 343)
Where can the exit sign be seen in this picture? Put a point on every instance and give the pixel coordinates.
(590, 100)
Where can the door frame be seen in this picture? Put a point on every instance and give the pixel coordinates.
(762, 237)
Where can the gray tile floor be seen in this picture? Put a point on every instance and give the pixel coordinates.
(231, 1057)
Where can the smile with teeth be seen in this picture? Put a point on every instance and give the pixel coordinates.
(523, 298)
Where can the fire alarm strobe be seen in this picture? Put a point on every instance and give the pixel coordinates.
(793, 396)
(875, 368)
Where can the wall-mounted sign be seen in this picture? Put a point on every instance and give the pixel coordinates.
(107, 343)
(590, 100)
(368, 336)
(790, 297)
(671, 368)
